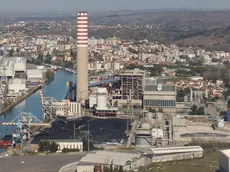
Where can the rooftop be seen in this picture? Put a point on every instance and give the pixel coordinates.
(133, 72)
(226, 152)
(160, 87)
(106, 157)
(17, 81)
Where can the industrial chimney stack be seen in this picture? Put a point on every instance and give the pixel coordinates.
(82, 56)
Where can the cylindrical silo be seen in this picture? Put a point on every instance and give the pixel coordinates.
(101, 97)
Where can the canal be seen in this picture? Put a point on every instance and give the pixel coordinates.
(57, 89)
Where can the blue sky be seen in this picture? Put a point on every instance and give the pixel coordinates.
(107, 5)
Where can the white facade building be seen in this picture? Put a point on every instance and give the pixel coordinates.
(19, 64)
(68, 144)
(34, 75)
(16, 87)
(102, 98)
(67, 108)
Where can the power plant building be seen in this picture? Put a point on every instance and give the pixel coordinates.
(132, 86)
(82, 56)
(160, 96)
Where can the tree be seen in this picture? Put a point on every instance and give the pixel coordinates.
(44, 146)
(193, 110)
(11, 52)
(200, 111)
(49, 74)
(85, 145)
(53, 147)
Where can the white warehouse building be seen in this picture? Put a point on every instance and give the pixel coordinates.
(19, 64)
(34, 75)
(16, 87)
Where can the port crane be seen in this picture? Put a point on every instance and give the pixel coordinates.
(26, 126)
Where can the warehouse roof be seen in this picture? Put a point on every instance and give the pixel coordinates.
(174, 150)
(34, 72)
(105, 157)
(226, 152)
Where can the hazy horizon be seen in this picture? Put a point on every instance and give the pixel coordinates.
(106, 5)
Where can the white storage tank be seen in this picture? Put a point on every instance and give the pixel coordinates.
(102, 97)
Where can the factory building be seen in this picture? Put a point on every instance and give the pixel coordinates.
(132, 86)
(16, 87)
(68, 144)
(224, 160)
(19, 64)
(102, 108)
(82, 56)
(11, 66)
(126, 161)
(65, 108)
(160, 97)
(34, 75)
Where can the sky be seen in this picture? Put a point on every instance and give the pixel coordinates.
(107, 5)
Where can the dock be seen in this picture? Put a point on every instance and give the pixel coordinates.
(21, 98)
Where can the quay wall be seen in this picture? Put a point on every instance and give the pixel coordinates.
(21, 98)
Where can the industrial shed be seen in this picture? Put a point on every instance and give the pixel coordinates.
(128, 161)
(34, 75)
(176, 153)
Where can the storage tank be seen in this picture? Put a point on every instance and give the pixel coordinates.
(143, 141)
(145, 125)
(101, 97)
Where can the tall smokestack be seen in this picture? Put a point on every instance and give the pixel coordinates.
(82, 56)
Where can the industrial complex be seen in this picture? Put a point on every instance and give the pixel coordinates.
(158, 123)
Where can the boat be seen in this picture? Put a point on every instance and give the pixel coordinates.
(6, 141)
(54, 68)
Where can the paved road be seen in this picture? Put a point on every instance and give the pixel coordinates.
(36, 163)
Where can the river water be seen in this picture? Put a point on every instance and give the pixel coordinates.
(57, 89)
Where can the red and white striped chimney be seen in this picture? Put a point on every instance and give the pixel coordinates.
(82, 29)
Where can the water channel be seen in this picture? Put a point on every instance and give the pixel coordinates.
(56, 89)
(109, 130)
